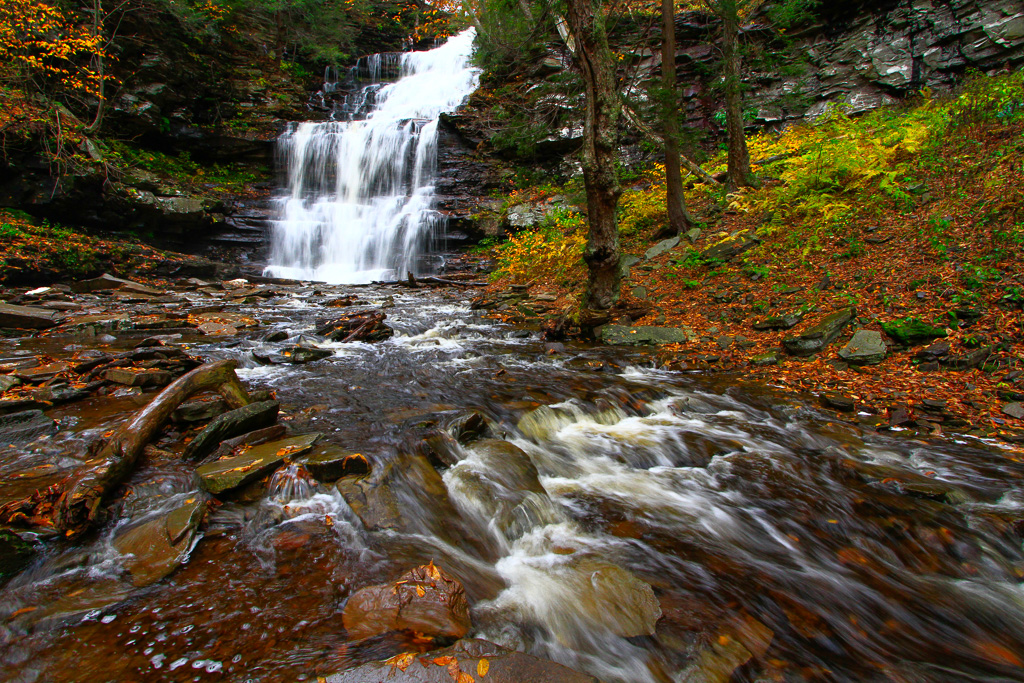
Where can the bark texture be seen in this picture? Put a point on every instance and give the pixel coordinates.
(596, 64)
(679, 219)
(740, 174)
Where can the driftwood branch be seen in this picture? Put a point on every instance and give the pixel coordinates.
(72, 505)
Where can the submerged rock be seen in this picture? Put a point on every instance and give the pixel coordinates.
(232, 423)
(424, 600)
(232, 473)
(156, 547)
(18, 429)
(468, 660)
(820, 335)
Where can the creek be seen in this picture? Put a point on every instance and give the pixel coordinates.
(626, 521)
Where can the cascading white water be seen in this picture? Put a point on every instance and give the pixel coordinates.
(360, 199)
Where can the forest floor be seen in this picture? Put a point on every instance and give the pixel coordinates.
(916, 230)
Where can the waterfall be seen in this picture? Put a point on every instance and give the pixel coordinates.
(359, 201)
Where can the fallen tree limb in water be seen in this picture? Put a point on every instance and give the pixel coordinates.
(72, 505)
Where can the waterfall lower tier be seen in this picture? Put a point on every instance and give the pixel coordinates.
(359, 204)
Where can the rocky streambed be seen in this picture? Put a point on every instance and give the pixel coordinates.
(377, 483)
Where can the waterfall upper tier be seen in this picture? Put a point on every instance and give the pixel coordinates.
(359, 204)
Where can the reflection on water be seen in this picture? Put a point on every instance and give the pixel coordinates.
(637, 524)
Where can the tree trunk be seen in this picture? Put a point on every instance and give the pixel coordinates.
(679, 219)
(597, 65)
(740, 174)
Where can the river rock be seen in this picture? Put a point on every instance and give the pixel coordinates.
(331, 463)
(232, 423)
(201, 410)
(137, 377)
(365, 326)
(968, 361)
(232, 473)
(865, 348)
(1014, 410)
(156, 547)
(468, 660)
(468, 427)
(730, 247)
(779, 322)
(912, 331)
(8, 382)
(26, 317)
(622, 335)
(20, 428)
(107, 281)
(15, 553)
(767, 358)
(300, 354)
(934, 352)
(404, 494)
(820, 335)
(661, 247)
(255, 438)
(425, 600)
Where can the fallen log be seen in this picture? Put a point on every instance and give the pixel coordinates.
(72, 505)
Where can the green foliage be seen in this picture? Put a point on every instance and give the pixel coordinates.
(8, 231)
(553, 251)
(987, 101)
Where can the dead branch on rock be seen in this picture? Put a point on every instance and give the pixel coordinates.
(72, 505)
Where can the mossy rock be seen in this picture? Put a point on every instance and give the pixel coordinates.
(912, 331)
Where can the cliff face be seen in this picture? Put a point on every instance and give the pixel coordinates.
(868, 54)
(860, 55)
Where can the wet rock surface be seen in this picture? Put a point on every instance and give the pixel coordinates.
(819, 335)
(582, 499)
(424, 600)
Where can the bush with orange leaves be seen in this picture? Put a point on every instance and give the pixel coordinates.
(42, 43)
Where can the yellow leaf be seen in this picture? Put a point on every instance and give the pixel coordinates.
(481, 667)
(402, 661)
(420, 592)
(464, 678)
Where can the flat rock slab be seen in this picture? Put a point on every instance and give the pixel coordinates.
(471, 659)
(1014, 410)
(231, 473)
(134, 377)
(820, 335)
(644, 335)
(661, 247)
(26, 317)
(779, 322)
(107, 281)
(18, 429)
(865, 348)
(730, 247)
(232, 423)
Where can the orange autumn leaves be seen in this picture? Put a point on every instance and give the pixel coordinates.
(40, 40)
(404, 661)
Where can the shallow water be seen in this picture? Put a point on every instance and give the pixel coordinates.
(780, 543)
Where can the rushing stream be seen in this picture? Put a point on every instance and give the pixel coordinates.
(818, 551)
(636, 524)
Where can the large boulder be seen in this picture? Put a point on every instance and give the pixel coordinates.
(424, 600)
(820, 335)
(467, 660)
